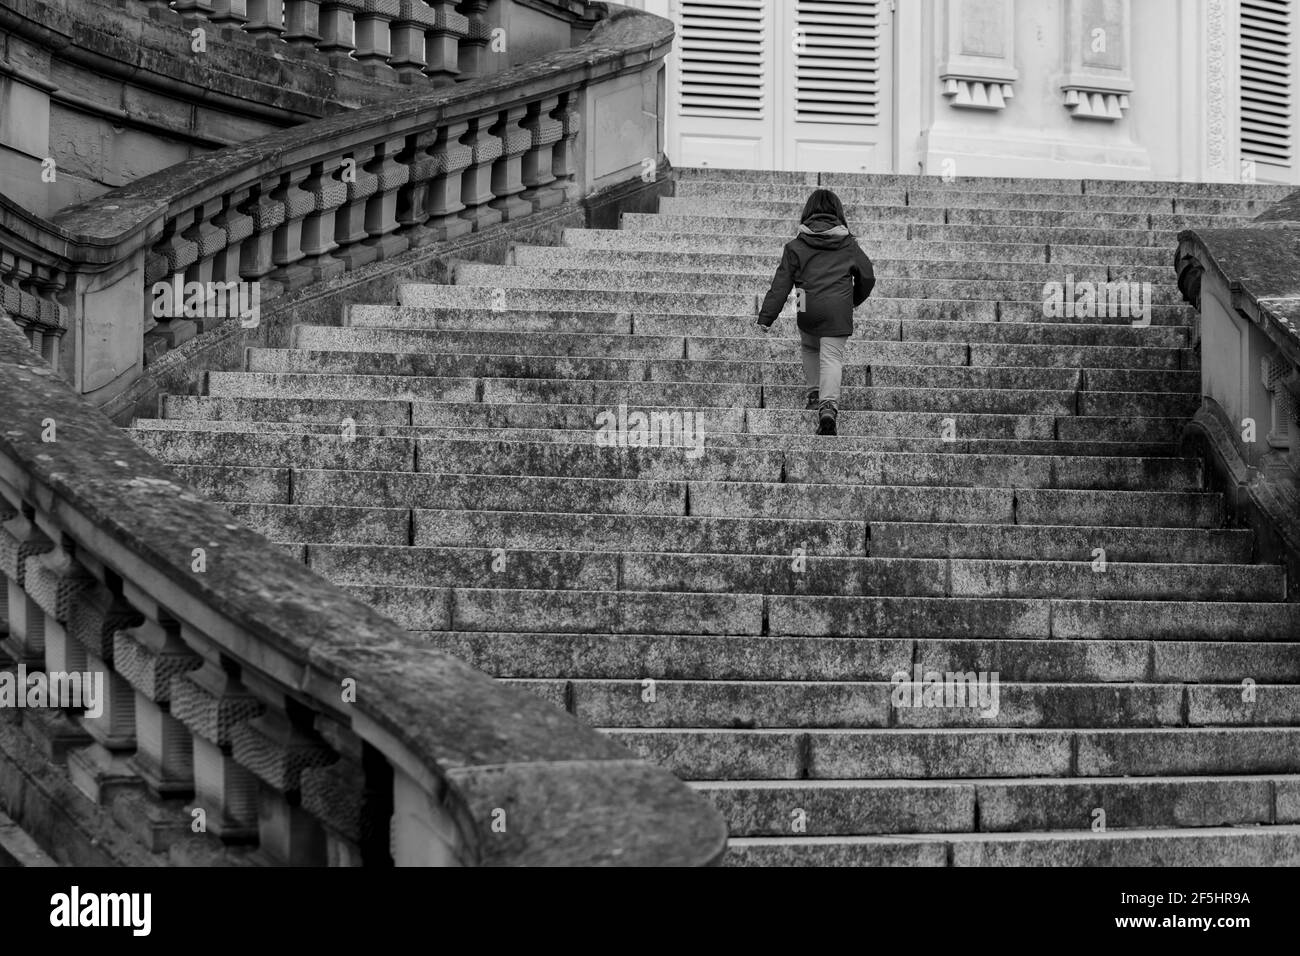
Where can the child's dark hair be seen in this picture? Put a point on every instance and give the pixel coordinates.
(823, 202)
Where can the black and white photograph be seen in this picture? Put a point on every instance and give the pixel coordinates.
(832, 434)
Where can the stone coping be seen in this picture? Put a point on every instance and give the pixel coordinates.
(1259, 263)
(110, 227)
(575, 797)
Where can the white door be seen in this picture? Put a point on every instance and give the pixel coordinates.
(779, 84)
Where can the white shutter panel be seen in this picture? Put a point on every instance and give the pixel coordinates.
(837, 62)
(722, 59)
(1266, 81)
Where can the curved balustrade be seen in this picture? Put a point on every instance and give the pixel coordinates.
(1245, 282)
(306, 204)
(304, 726)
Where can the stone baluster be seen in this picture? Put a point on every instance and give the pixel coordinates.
(20, 539)
(373, 39)
(472, 58)
(56, 583)
(171, 254)
(102, 768)
(336, 27)
(211, 702)
(255, 255)
(352, 798)
(545, 131)
(406, 36)
(328, 193)
(476, 180)
(381, 208)
(194, 13)
(442, 42)
(448, 158)
(350, 218)
(277, 747)
(564, 158)
(148, 657)
(210, 239)
(265, 21)
(236, 226)
(286, 248)
(302, 24)
(229, 15)
(507, 170)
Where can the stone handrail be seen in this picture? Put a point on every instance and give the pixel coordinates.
(297, 716)
(305, 204)
(1245, 283)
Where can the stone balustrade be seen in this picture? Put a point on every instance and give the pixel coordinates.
(268, 217)
(253, 712)
(1245, 283)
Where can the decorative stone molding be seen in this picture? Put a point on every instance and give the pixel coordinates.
(1097, 81)
(979, 69)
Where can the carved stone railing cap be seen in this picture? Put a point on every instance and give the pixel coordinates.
(576, 796)
(1259, 263)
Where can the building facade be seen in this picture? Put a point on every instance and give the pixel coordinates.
(1143, 89)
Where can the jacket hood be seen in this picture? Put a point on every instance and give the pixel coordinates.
(823, 232)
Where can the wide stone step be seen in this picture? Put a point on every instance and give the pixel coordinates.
(1090, 217)
(1115, 300)
(696, 337)
(945, 196)
(774, 658)
(937, 252)
(804, 573)
(560, 257)
(957, 184)
(741, 305)
(969, 700)
(964, 505)
(869, 231)
(965, 752)
(702, 612)
(767, 808)
(1193, 847)
(688, 458)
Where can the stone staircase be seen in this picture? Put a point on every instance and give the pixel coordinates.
(739, 614)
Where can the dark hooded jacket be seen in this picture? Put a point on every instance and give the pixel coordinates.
(826, 262)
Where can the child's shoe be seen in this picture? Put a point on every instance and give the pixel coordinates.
(812, 402)
(826, 414)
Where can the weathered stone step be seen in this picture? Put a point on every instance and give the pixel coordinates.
(818, 705)
(561, 257)
(945, 196)
(965, 753)
(957, 184)
(575, 426)
(686, 459)
(494, 567)
(741, 305)
(869, 231)
(767, 808)
(1191, 847)
(697, 612)
(858, 214)
(711, 498)
(726, 337)
(1114, 300)
(927, 251)
(774, 658)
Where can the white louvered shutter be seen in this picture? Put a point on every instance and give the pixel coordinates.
(837, 64)
(722, 52)
(1266, 63)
